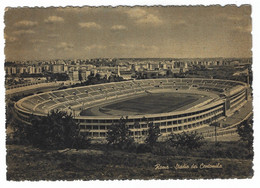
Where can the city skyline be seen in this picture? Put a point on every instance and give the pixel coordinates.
(123, 32)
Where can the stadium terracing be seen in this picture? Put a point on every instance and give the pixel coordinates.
(226, 97)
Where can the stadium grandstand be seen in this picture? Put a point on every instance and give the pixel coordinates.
(94, 106)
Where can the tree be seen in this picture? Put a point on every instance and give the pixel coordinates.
(119, 134)
(189, 140)
(15, 129)
(57, 130)
(59, 76)
(245, 131)
(153, 134)
(80, 76)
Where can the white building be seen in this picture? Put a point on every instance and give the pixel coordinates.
(58, 68)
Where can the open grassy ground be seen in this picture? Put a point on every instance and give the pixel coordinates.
(99, 162)
(148, 104)
(164, 102)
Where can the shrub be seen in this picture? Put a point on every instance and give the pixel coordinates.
(189, 140)
(245, 131)
(118, 134)
(153, 134)
(57, 130)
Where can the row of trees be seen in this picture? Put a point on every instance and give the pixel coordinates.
(58, 130)
(96, 79)
(119, 135)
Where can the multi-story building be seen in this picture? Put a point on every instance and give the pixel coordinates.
(31, 69)
(58, 68)
(74, 75)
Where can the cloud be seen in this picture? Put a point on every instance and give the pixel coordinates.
(234, 18)
(68, 9)
(89, 25)
(141, 16)
(241, 22)
(65, 46)
(50, 49)
(230, 17)
(118, 27)
(139, 47)
(179, 22)
(23, 31)
(74, 9)
(54, 19)
(149, 19)
(53, 35)
(37, 41)
(10, 38)
(95, 46)
(243, 29)
(136, 13)
(25, 23)
(147, 47)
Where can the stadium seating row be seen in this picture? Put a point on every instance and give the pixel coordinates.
(90, 94)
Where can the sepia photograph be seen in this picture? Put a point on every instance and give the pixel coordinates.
(128, 93)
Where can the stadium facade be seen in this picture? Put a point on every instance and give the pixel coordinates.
(228, 97)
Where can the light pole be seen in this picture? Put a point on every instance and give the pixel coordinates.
(215, 134)
(215, 124)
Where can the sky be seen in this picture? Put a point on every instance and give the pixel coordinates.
(124, 32)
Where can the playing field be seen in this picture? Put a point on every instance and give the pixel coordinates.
(148, 104)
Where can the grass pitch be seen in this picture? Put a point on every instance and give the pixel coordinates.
(154, 103)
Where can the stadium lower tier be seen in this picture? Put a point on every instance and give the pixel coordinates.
(224, 98)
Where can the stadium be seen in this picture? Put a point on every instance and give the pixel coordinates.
(174, 104)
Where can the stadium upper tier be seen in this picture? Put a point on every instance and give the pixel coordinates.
(74, 98)
(228, 96)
